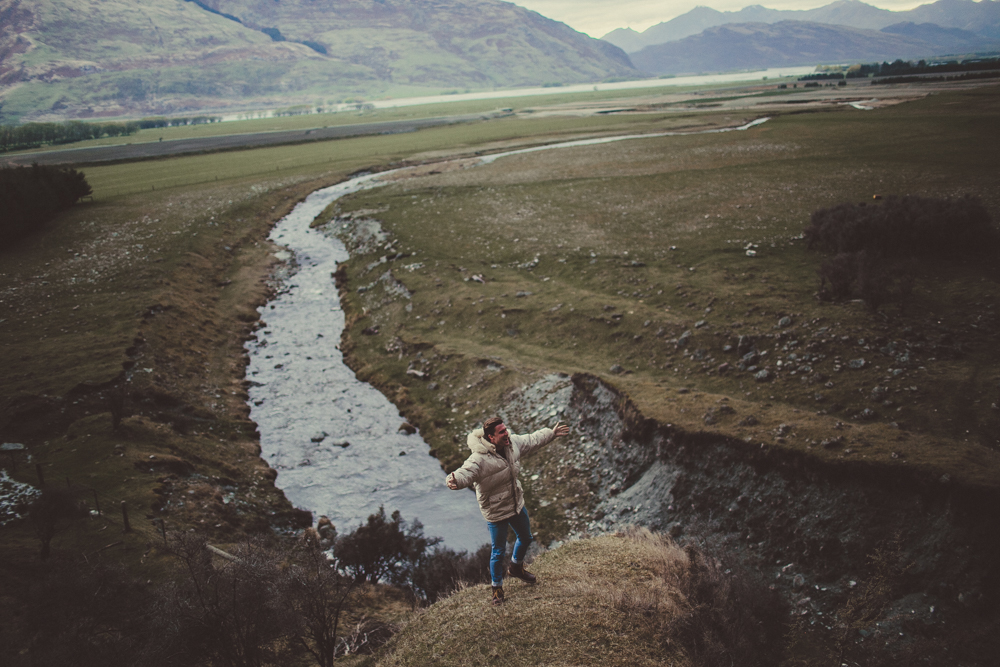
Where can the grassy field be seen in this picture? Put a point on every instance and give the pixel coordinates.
(151, 290)
(356, 153)
(154, 284)
(319, 120)
(639, 242)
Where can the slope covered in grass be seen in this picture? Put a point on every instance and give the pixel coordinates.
(628, 261)
(628, 599)
(67, 59)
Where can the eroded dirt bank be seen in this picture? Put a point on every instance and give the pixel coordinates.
(809, 527)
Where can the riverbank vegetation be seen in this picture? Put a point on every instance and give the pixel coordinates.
(262, 600)
(124, 321)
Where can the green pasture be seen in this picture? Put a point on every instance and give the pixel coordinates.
(183, 237)
(178, 230)
(419, 111)
(355, 153)
(640, 241)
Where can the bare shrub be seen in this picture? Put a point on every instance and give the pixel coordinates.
(441, 572)
(869, 602)
(321, 595)
(234, 612)
(51, 513)
(366, 637)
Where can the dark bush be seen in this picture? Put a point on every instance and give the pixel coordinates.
(51, 513)
(877, 246)
(442, 571)
(882, 281)
(234, 612)
(383, 549)
(89, 615)
(875, 280)
(839, 273)
(907, 227)
(31, 196)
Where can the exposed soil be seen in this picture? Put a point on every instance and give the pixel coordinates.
(808, 525)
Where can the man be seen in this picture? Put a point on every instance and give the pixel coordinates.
(492, 469)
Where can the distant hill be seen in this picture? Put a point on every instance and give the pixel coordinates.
(59, 58)
(978, 17)
(945, 40)
(760, 45)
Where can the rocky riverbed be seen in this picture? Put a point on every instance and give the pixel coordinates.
(334, 441)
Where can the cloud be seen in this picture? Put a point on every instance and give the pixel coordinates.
(599, 17)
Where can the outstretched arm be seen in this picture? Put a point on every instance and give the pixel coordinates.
(529, 443)
(465, 476)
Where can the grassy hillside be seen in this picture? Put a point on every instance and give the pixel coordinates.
(61, 59)
(627, 599)
(601, 259)
(568, 618)
(157, 280)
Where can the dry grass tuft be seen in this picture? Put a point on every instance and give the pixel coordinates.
(635, 598)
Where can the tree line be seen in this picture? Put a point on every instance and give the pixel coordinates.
(34, 135)
(901, 67)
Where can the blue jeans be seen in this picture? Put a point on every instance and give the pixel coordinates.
(498, 538)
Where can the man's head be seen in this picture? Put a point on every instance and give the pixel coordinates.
(496, 432)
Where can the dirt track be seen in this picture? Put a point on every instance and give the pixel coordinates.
(156, 149)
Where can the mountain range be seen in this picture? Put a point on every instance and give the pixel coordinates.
(981, 18)
(761, 45)
(64, 59)
(93, 58)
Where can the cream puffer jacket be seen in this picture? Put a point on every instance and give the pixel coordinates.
(494, 475)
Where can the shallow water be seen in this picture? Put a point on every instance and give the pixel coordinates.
(333, 439)
(303, 390)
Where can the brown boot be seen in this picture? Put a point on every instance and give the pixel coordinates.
(497, 596)
(517, 570)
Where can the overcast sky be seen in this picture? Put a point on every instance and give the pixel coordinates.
(599, 17)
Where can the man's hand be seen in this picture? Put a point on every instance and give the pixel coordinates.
(561, 429)
(451, 482)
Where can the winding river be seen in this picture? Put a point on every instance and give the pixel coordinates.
(333, 439)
